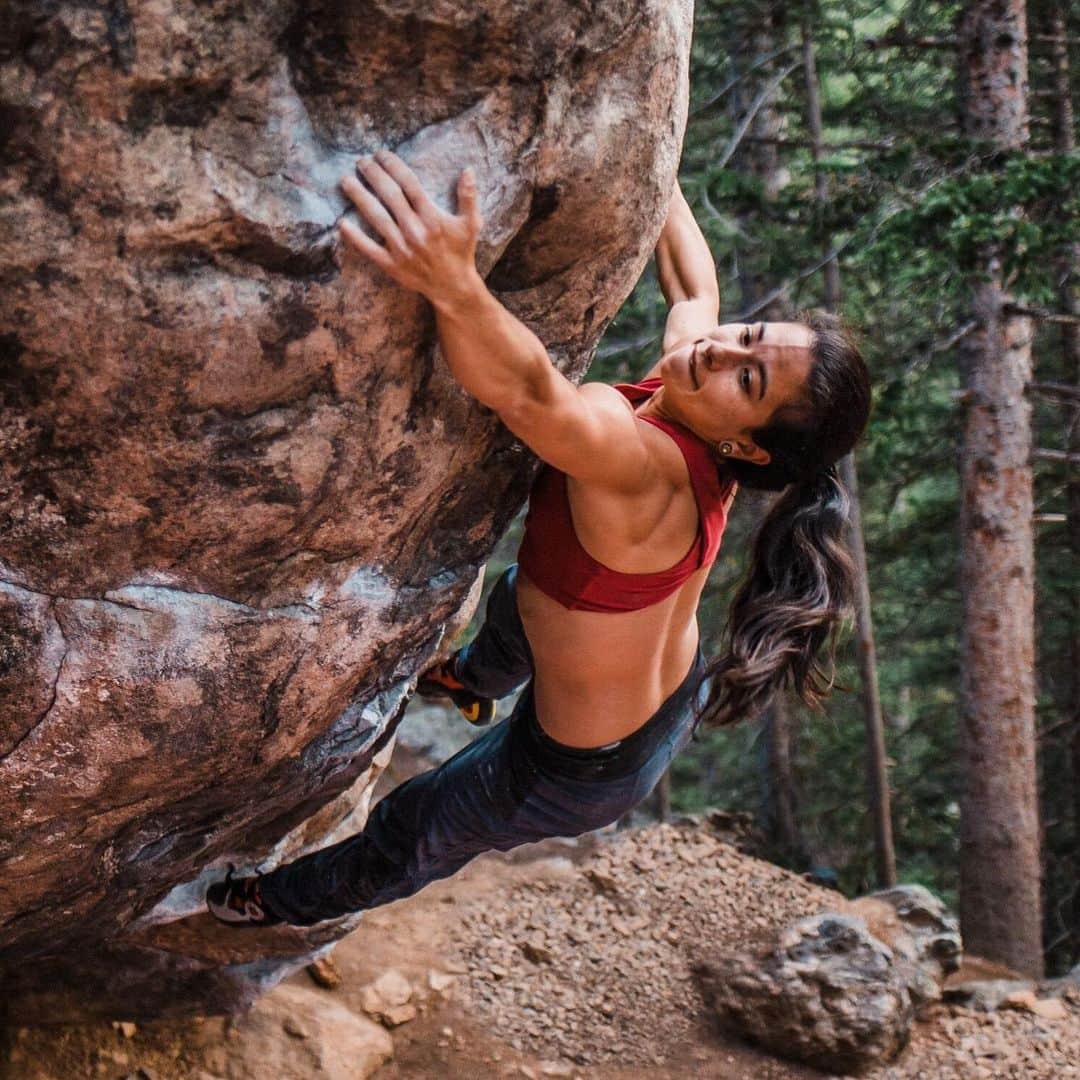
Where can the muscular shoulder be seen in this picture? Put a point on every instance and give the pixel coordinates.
(661, 464)
(607, 398)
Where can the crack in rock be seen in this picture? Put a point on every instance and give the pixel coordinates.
(126, 596)
(56, 680)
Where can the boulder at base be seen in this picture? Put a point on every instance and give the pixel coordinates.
(240, 495)
(295, 1034)
(922, 933)
(828, 993)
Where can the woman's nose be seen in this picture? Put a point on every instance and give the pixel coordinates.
(720, 353)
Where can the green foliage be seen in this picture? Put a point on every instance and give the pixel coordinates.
(1025, 209)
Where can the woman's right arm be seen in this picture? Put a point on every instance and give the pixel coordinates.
(687, 275)
(587, 432)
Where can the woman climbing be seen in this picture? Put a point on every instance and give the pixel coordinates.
(599, 614)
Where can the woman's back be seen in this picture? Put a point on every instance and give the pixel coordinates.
(600, 674)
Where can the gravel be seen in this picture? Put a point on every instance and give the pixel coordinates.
(957, 1044)
(594, 966)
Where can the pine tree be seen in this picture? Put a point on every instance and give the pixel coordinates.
(1000, 898)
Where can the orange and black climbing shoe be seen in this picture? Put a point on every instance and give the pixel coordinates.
(441, 681)
(237, 902)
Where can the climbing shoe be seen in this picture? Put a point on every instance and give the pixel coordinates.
(442, 682)
(236, 901)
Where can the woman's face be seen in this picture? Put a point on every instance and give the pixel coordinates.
(731, 381)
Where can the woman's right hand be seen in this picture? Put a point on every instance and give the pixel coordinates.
(424, 248)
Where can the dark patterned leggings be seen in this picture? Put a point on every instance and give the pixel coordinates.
(513, 785)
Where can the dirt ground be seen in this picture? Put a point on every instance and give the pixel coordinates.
(447, 1039)
(497, 962)
(423, 1049)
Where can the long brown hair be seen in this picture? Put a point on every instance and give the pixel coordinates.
(799, 586)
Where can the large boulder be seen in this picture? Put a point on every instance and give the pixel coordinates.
(240, 495)
(826, 992)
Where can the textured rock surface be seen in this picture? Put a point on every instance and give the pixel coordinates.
(296, 1034)
(828, 993)
(922, 933)
(239, 495)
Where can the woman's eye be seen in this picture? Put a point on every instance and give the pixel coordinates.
(746, 337)
(744, 379)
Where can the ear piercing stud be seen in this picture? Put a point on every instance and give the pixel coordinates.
(726, 449)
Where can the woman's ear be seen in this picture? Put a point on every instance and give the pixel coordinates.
(750, 451)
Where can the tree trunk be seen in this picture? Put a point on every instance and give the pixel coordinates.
(1000, 901)
(876, 764)
(781, 812)
(821, 181)
(758, 156)
(877, 769)
(1069, 304)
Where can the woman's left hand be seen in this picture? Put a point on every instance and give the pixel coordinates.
(426, 249)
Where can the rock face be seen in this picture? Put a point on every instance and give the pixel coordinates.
(240, 496)
(828, 993)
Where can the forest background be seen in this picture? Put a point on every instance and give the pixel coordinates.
(829, 139)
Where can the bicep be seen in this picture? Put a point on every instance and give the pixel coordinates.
(587, 432)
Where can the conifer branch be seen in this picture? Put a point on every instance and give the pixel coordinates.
(898, 39)
(1040, 313)
(734, 81)
(755, 106)
(852, 144)
(1041, 453)
(1055, 390)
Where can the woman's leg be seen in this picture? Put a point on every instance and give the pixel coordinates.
(498, 660)
(512, 786)
(422, 826)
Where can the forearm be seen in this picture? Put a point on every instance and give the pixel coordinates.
(493, 354)
(684, 264)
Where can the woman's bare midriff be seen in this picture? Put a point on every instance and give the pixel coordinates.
(599, 677)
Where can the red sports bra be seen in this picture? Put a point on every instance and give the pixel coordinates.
(552, 556)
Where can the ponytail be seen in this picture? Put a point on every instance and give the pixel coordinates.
(801, 581)
(796, 594)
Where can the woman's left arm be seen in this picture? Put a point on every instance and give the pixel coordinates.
(687, 275)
